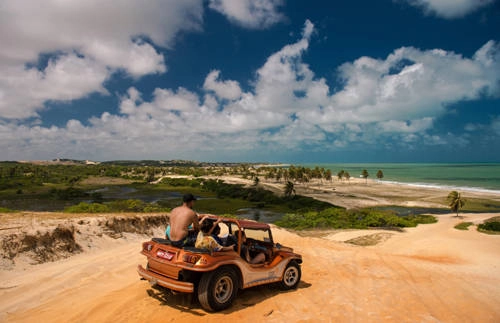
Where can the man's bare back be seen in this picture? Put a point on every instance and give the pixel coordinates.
(180, 219)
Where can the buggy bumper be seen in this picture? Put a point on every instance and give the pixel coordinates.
(153, 278)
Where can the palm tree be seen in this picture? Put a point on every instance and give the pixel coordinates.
(380, 174)
(328, 175)
(289, 189)
(347, 176)
(256, 181)
(455, 201)
(365, 175)
(340, 174)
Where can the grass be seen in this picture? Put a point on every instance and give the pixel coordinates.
(463, 225)
(481, 206)
(6, 210)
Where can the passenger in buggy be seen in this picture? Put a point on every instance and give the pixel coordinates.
(181, 219)
(206, 237)
(252, 257)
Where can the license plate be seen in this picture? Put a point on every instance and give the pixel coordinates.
(165, 254)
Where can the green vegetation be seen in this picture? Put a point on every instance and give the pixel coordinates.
(115, 206)
(490, 226)
(126, 187)
(84, 207)
(143, 186)
(481, 205)
(463, 225)
(336, 218)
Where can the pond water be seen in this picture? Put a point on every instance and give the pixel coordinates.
(405, 211)
(259, 215)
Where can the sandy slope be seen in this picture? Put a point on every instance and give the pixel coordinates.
(432, 273)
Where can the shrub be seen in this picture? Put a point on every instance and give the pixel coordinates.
(68, 193)
(422, 218)
(493, 226)
(127, 205)
(337, 218)
(135, 206)
(84, 207)
(463, 225)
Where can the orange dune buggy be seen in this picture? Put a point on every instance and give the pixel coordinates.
(215, 277)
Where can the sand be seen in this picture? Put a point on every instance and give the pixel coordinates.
(431, 273)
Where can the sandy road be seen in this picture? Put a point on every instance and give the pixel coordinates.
(432, 273)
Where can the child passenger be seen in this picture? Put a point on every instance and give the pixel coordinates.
(205, 240)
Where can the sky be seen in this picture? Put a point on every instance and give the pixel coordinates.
(250, 81)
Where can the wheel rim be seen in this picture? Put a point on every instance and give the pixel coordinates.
(291, 275)
(223, 289)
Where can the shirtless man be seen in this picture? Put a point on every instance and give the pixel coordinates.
(181, 218)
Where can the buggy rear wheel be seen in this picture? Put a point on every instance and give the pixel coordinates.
(218, 289)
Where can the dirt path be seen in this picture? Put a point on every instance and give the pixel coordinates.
(432, 273)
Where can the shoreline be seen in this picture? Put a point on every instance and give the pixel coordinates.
(359, 193)
(442, 186)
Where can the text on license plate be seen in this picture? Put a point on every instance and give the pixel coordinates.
(165, 254)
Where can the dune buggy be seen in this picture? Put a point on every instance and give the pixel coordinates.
(216, 276)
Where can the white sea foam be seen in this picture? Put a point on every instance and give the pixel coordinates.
(444, 187)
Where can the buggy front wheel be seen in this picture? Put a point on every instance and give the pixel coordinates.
(291, 276)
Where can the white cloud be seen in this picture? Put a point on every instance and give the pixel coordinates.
(397, 97)
(83, 38)
(229, 90)
(413, 126)
(382, 90)
(449, 8)
(67, 77)
(254, 14)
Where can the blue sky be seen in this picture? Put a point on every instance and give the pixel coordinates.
(257, 81)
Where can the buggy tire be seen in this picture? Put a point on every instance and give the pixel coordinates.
(291, 276)
(217, 289)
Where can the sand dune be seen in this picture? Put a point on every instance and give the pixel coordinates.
(432, 273)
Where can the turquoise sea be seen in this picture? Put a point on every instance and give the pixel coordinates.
(466, 176)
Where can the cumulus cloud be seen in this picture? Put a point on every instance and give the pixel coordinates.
(229, 90)
(67, 77)
(82, 38)
(254, 14)
(449, 9)
(398, 97)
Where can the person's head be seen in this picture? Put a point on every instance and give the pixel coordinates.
(216, 230)
(206, 225)
(189, 199)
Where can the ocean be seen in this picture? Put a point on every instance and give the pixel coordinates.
(466, 177)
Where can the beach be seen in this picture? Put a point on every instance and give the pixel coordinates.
(430, 273)
(359, 192)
